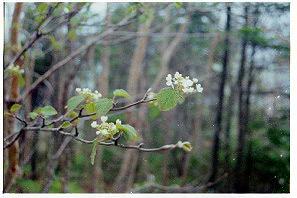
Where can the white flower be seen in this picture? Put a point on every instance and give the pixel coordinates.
(98, 132)
(199, 88)
(169, 77)
(104, 132)
(169, 83)
(104, 118)
(188, 90)
(169, 80)
(195, 80)
(187, 83)
(177, 75)
(78, 90)
(94, 124)
(113, 127)
(119, 122)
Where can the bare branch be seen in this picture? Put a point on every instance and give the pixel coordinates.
(35, 36)
(75, 53)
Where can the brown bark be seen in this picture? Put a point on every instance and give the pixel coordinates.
(125, 178)
(13, 151)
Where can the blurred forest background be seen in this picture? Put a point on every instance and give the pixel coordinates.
(238, 126)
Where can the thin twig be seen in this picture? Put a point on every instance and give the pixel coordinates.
(73, 55)
(35, 36)
(61, 118)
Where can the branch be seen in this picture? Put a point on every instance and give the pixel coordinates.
(63, 62)
(35, 36)
(16, 135)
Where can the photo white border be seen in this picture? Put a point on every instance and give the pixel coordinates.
(293, 116)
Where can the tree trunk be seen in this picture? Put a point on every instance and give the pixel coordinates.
(251, 76)
(221, 95)
(13, 150)
(239, 183)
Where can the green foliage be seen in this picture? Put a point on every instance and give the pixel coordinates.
(134, 7)
(65, 124)
(56, 45)
(168, 98)
(72, 35)
(15, 108)
(28, 186)
(254, 35)
(153, 112)
(21, 80)
(129, 132)
(121, 93)
(90, 107)
(103, 106)
(42, 7)
(178, 4)
(33, 115)
(74, 102)
(47, 111)
(56, 186)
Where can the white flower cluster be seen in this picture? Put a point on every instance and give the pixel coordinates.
(88, 93)
(185, 84)
(107, 130)
(12, 69)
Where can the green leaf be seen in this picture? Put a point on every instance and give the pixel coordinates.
(90, 107)
(15, 107)
(56, 45)
(33, 115)
(94, 151)
(42, 7)
(48, 111)
(121, 93)
(129, 132)
(168, 98)
(74, 101)
(72, 35)
(103, 106)
(178, 4)
(21, 80)
(65, 124)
